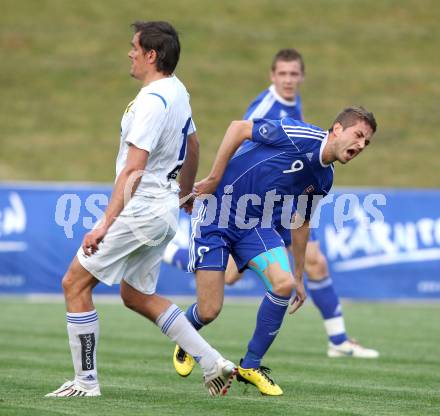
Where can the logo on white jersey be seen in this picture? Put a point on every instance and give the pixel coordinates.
(130, 104)
(297, 165)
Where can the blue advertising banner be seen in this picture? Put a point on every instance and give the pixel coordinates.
(380, 244)
(396, 258)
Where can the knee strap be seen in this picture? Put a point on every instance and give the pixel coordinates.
(260, 263)
(282, 258)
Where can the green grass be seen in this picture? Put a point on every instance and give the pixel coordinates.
(64, 81)
(137, 377)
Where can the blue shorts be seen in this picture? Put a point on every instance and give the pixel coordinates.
(210, 251)
(285, 235)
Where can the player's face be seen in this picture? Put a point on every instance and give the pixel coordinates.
(352, 140)
(138, 59)
(287, 77)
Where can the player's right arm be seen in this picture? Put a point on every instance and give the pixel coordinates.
(142, 139)
(125, 186)
(235, 135)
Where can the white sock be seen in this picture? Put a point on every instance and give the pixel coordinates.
(335, 328)
(174, 324)
(83, 330)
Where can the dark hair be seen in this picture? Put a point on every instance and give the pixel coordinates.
(288, 55)
(351, 115)
(162, 38)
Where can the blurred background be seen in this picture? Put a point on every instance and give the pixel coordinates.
(64, 78)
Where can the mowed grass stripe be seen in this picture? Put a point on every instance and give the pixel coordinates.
(137, 376)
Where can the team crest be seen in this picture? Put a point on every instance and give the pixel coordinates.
(263, 130)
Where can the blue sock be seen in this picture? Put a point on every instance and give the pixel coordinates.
(327, 301)
(193, 316)
(269, 319)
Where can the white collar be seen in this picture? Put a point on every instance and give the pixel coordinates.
(281, 99)
(321, 149)
(156, 81)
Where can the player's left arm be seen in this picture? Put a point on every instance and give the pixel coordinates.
(125, 186)
(300, 237)
(235, 135)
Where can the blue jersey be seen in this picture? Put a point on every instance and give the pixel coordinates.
(270, 105)
(283, 158)
(281, 163)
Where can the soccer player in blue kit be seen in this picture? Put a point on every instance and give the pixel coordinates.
(282, 99)
(283, 159)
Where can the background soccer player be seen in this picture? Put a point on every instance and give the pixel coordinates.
(282, 99)
(138, 223)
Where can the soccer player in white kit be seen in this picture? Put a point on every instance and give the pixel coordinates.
(127, 245)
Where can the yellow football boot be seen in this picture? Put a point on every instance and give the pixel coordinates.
(183, 362)
(260, 379)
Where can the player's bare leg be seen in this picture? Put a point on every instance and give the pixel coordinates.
(232, 274)
(149, 306)
(78, 284)
(210, 293)
(315, 262)
(218, 372)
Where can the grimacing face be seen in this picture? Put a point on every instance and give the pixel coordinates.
(352, 140)
(287, 77)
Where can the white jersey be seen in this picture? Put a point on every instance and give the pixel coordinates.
(158, 120)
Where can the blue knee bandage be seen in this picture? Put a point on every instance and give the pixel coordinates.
(282, 258)
(259, 267)
(261, 262)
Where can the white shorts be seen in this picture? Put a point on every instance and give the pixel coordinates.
(133, 247)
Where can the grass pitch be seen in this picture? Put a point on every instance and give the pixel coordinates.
(137, 376)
